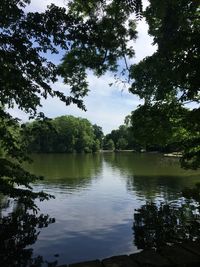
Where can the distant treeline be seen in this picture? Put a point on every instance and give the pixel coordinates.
(63, 134)
(67, 134)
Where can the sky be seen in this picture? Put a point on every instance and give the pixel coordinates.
(107, 106)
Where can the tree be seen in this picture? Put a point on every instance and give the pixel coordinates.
(122, 143)
(91, 41)
(98, 132)
(173, 70)
(64, 134)
(122, 138)
(96, 145)
(171, 75)
(108, 144)
(40, 136)
(159, 124)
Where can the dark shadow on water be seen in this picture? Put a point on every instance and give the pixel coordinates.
(156, 225)
(73, 172)
(168, 187)
(152, 175)
(18, 230)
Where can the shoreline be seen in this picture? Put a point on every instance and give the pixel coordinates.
(182, 254)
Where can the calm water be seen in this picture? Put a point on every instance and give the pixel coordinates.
(96, 198)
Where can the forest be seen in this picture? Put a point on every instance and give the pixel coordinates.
(142, 131)
(63, 134)
(68, 134)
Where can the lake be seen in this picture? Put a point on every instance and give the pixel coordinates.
(97, 197)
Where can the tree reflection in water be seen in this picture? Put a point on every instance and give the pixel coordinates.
(18, 230)
(156, 225)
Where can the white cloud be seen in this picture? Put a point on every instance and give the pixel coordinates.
(106, 106)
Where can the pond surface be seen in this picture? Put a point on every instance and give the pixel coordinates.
(96, 197)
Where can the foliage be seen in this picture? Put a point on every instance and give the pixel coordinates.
(62, 134)
(174, 68)
(14, 180)
(159, 124)
(108, 144)
(122, 138)
(100, 40)
(98, 132)
(89, 41)
(168, 127)
(171, 74)
(122, 143)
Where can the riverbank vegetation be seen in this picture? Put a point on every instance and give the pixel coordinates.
(143, 131)
(68, 134)
(65, 134)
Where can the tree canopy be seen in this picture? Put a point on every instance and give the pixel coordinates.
(160, 124)
(171, 76)
(92, 36)
(173, 70)
(63, 134)
(122, 139)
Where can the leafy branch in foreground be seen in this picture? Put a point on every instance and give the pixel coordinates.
(172, 74)
(92, 36)
(14, 180)
(27, 75)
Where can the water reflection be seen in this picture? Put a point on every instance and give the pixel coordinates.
(159, 180)
(96, 196)
(75, 171)
(156, 225)
(152, 188)
(18, 230)
(146, 164)
(152, 176)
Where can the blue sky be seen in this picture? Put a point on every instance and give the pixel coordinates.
(106, 106)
